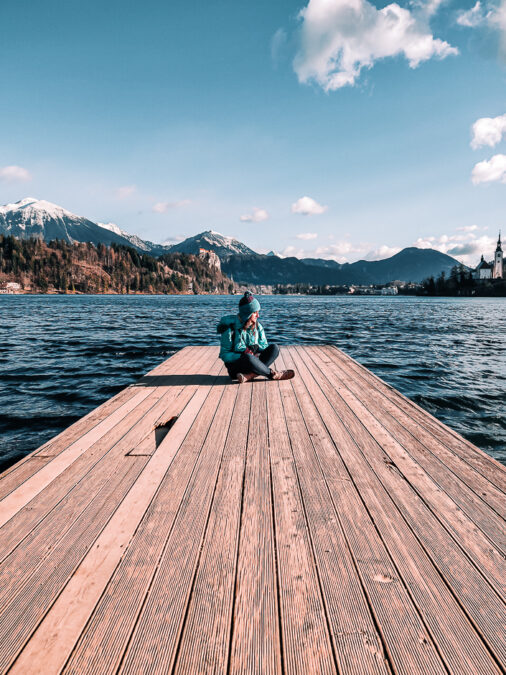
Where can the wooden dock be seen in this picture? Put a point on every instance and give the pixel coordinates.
(191, 525)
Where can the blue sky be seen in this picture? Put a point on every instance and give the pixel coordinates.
(337, 128)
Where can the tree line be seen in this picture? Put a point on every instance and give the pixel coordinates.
(59, 266)
(460, 281)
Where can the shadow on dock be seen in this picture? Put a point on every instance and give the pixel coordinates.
(182, 380)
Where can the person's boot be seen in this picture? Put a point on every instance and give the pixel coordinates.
(245, 377)
(282, 374)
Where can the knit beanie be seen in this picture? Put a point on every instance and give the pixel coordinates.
(248, 305)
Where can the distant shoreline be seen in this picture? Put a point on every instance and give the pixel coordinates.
(273, 295)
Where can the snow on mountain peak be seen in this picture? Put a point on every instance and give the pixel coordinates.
(37, 206)
(223, 237)
(112, 227)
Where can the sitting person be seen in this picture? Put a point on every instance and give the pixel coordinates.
(244, 348)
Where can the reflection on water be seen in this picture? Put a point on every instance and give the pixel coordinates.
(61, 356)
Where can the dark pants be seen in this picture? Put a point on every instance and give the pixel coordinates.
(248, 363)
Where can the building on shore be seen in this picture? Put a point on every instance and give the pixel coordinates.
(373, 290)
(495, 269)
(10, 287)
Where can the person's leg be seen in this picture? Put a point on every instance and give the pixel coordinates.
(232, 369)
(248, 363)
(269, 355)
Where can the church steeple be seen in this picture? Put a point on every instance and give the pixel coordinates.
(498, 260)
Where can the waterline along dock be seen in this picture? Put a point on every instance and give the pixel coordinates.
(324, 524)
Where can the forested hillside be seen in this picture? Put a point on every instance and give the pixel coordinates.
(58, 266)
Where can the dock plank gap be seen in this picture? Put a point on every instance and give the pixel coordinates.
(324, 524)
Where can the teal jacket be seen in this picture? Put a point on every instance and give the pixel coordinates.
(235, 339)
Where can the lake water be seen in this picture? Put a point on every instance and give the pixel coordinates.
(61, 356)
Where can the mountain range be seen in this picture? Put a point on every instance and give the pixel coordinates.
(41, 219)
(37, 218)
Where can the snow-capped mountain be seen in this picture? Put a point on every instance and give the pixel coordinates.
(38, 218)
(32, 217)
(223, 246)
(135, 241)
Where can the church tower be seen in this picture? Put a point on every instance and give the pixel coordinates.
(497, 273)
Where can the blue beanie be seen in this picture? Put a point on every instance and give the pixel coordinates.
(248, 305)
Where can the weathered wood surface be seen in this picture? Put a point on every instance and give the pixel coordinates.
(320, 525)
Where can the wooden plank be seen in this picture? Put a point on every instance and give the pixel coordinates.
(22, 495)
(494, 471)
(59, 631)
(18, 473)
(155, 638)
(69, 482)
(352, 482)
(365, 558)
(148, 444)
(175, 361)
(487, 558)
(305, 633)
(60, 442)
(256, 646)
(430, 450)
(410, 437)
(204, 642)
(105, 640)
(22, 564)
(484, 607)
(171, 365)
(27, 518)
(15, 478)
(21, 616)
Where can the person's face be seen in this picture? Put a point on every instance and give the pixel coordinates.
(253, 318)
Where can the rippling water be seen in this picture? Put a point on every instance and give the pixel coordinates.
(61, 356)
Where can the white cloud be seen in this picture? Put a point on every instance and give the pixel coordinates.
(476, 16)
(163, 207)
(278, 44)
(339, 38)
(343, 251)
(499, 19)
(338, 252)
(160, 207)
(382, 252)
(491, 170)
(292, 252)
(488, 131)
(306, 235)
(491, 15)
(126, 191)
(465, 246)
(257, 216)
(306, 206)
(14, 173)
(173, 239)
(426, 8)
